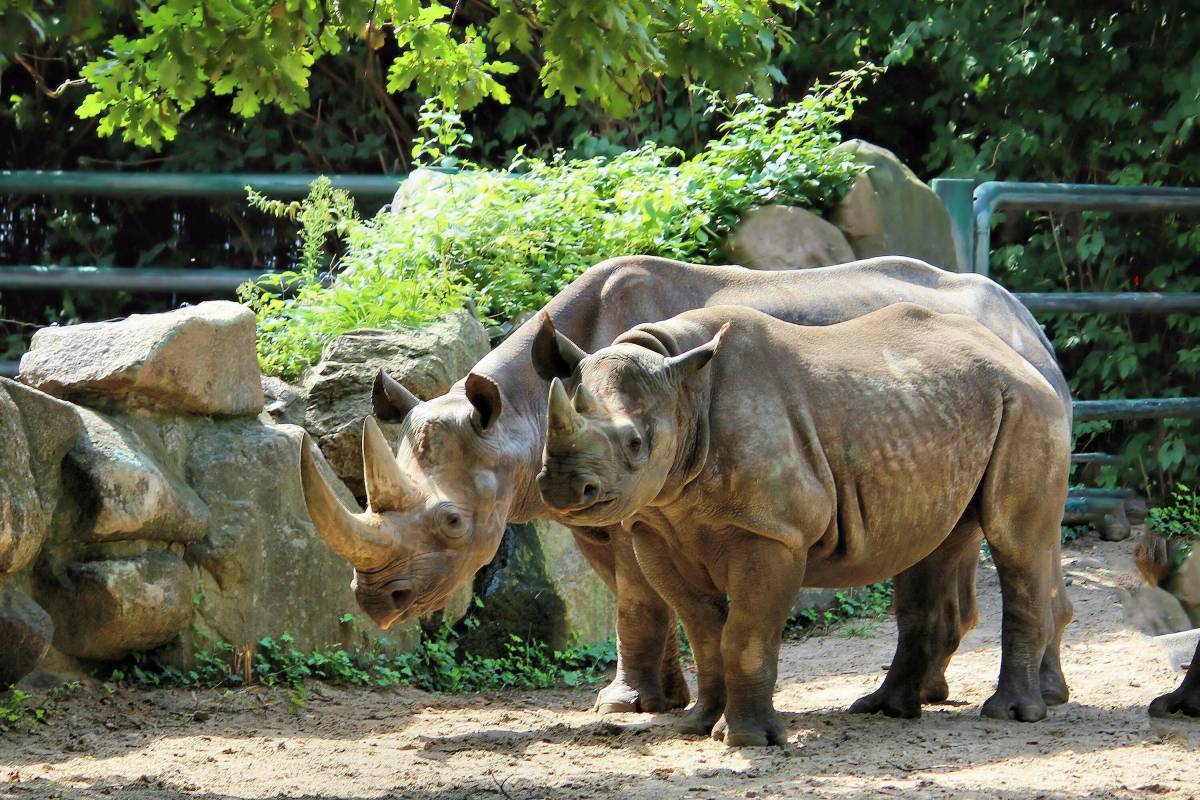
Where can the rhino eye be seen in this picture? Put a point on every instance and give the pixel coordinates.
(451, 520)
(635, 445)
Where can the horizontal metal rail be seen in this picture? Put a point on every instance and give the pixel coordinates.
(1111, 302)
(156, 280)
(1104, 459)
(187, 184)
(1143, 408)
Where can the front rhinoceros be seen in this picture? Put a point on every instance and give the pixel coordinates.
(819, 456)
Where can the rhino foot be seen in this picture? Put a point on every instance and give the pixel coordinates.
(1010, 705)
(759, 734)
(935, 689)
(1178, 701)
(618, 698)
(700, 720)
(889, 701)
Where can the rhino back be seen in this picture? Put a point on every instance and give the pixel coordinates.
(856, 440)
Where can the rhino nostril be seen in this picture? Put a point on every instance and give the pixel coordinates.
(402, 598)
(589, 492)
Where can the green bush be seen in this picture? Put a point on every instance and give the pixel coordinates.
(1178, 522)
(436, 664)
(510, 239)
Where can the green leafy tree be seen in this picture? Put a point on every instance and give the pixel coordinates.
(262, 52)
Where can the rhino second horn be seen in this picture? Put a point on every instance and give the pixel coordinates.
(584, 401)
(387, 487)
(562, 416)
(350, 535)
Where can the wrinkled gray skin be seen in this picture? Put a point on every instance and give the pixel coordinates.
(472, 455)
(834, 456)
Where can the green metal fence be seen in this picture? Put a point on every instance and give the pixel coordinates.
(131, 185)
(972, 204)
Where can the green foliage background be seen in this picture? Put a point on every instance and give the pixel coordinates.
(1073, 91)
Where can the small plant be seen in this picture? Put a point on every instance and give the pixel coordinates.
(848, 605)
(436, 664)
(19, 708)
(1179, 522)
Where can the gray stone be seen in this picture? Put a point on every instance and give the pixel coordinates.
(1185, 585)
(782, 237)
(1154, 611)
(540, 588)
(427, 361)
(104, 610)
(263, 570)
(890, 211)
(26, 632)
(36, 431)
(418, 183)
(284, 402)
(137, 495)
(589, 610)
(199, 359)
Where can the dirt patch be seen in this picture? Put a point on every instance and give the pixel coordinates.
(408, 744)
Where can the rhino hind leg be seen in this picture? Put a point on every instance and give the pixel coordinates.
(1185, 699)
(935, 607)
(1050, 676)
(1020, 506)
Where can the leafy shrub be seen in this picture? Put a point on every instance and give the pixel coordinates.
(510, 239)
(849, 604)
(1179, 522)
(435, 665)
(21, 708)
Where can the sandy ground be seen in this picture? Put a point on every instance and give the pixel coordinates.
(408, 744)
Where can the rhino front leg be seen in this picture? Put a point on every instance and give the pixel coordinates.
(935, 607)
(649, 677)
(764, 578)
(702, 609)
(1186, 698)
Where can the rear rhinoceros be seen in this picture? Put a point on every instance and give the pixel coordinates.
(819, 456)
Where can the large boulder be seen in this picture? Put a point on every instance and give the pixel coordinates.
(36, 431)
(26, 632)
(539, 587)
(1153, 611)
(782, 237)
(137, 494)
(418, 183)
(104, 610)
(338, 388)
(1185, 585)
(198, 359)
(263, 570)
(890, 211)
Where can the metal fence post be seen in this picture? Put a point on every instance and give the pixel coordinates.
(957, 194)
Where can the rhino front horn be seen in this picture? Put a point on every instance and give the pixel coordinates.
(387, 487)
(351, 536)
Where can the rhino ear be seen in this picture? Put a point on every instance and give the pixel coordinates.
(682, 366)
(484, 395)
(390, 400)
(554, 355)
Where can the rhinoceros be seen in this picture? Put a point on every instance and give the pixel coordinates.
(818, 456)
(1185, 699)
(467, 460)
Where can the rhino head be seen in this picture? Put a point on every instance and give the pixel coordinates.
(612, 446)
(435, 514)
